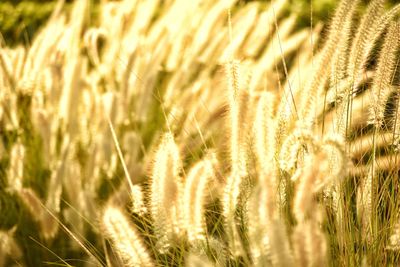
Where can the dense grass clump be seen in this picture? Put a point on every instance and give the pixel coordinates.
(201, 133)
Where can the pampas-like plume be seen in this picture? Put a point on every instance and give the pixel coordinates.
(166, 185)
(138, 204)
(340, 61)
(234, 93)
(281, 254)
(126, 239)
(367, 27)
(380, 90)
(308, 241)
(48, 224)
(310, 176)
(238, 157)
(316, 85)
(230, 201)
(365, 205)
(16, 170)
(5, 65)
(74, 67)
(309, 245)
(90, 40)
(333, 147)
(264, 133)
(197, 188)
(261, 214)
(293, 146)
(9, 247)
(340, 86)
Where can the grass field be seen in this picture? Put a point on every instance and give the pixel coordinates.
(202, 133)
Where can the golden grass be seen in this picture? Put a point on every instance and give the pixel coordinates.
(201, 133)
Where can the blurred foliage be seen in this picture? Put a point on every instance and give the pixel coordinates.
(321, 10)
(19, 20)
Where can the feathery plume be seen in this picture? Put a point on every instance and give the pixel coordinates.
(309, 176)
(238, 157)
(380, 90)
(264, 133)
(316, 85)
(138, 204)
(166, 186)
(197, 187)
(366, 29)
(125, 238)
(16, 169)
(261, 214)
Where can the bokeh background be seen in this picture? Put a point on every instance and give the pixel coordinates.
(19, 20)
